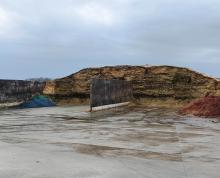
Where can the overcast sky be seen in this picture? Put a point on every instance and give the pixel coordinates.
(54, 38)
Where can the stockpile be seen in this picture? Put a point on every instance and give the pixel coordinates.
(205, 107)
(37, 102)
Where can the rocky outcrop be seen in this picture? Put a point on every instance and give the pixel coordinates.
(14, 91)
(151, 84)
(206, 107)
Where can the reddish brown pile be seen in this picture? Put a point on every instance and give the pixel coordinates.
(205, 107)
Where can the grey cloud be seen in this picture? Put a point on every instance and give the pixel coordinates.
(55, 38)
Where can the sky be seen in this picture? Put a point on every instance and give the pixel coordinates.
(54, 38)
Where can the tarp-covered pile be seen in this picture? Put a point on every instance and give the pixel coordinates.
(37, 102)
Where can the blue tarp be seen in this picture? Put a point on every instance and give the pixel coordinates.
(37, 102)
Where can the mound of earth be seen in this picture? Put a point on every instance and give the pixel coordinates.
(152, 85)
(205, 107)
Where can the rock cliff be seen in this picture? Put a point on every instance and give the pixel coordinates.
(151, 84)
(14, 91)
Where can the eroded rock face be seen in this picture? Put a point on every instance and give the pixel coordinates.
(154, 82)
(18, 90)
(206, 107)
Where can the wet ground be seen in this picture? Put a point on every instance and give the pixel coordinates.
(68, 142)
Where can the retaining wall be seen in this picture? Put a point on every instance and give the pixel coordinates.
(18, 90)
(106, 92)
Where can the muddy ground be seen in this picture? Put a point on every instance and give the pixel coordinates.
(68, 142)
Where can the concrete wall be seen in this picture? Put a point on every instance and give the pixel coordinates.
(18, 90)
(106, 92)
